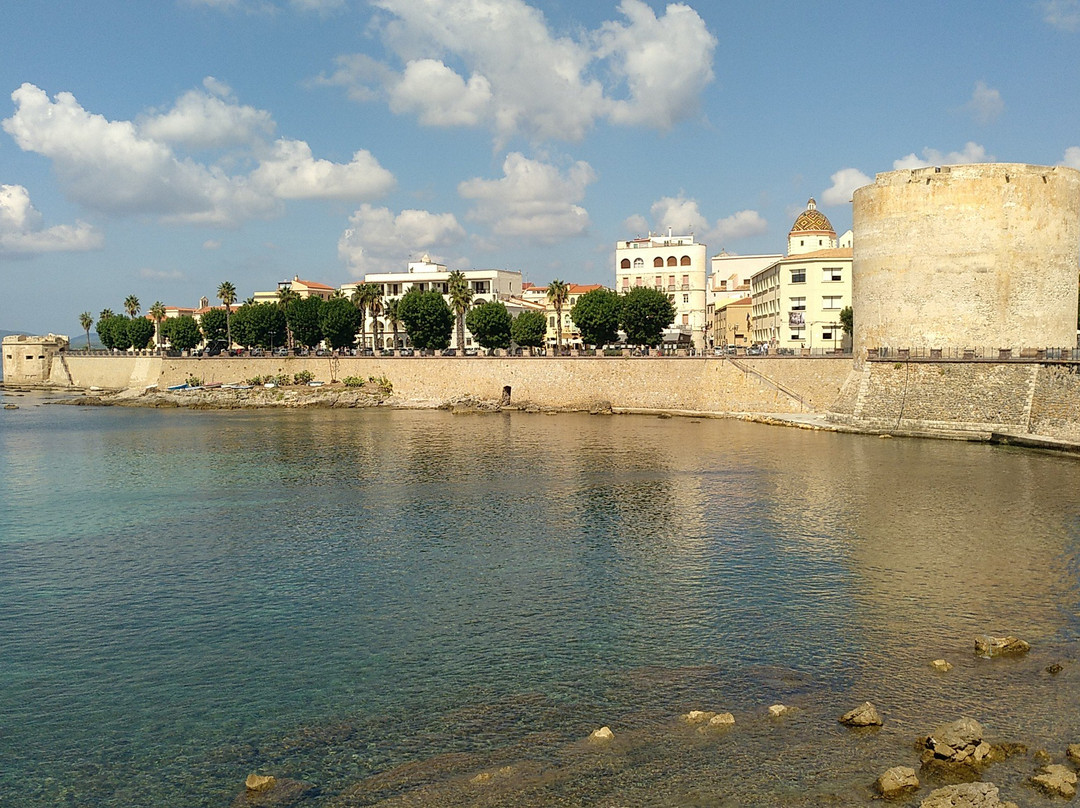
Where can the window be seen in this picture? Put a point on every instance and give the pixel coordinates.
(637, 282)
(798, 276)
(832, 274)
(625, 263)
(658, 282)
(671, 280)
(625, 283)
(826, 335)
(658, 261)
(672, 261)
(685, 261)
(798, 334)
(686, 319)
(639, 263)
(551, 321)
(686, 298)
(798, 304)
(830, 302)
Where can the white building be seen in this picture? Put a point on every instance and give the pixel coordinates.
(674, 265)
(487, 285)
(729, 281)
(797, 300)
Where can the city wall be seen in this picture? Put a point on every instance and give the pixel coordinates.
(957, 396)
(703, 384)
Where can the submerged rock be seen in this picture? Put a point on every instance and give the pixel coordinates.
(865, 715)
(987, 646)
(1054, 669)
(602, 735)
(272, 792)
(698, 716)
(941, 665)
(966, 795)
(896, 781)
(778, 710)
(1072, 752)
(719, 721)
(1057, 780)
(260, 782)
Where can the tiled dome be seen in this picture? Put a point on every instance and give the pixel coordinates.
(812, 219)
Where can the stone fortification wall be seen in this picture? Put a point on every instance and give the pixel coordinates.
(1023, 398)
(701, 384)
(968, 255)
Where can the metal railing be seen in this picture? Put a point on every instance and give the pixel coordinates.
(978, 353)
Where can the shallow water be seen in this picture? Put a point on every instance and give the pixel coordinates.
(387, 603)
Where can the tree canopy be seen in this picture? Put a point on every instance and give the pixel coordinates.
(847, 320)
(213, 325)
(490, 324)
(427, 318)
(529, 329)
(596, 315)
(140, 332)
(646, 312)
(112, 330)
(303, 315)
(181, 332)
(340, 321)
(259, 325)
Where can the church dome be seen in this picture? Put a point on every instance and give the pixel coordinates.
(812, 219)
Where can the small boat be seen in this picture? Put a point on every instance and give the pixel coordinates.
(269, 385)
(315, 384)
(212, 386)
(175, 387)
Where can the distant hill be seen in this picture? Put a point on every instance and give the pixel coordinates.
(10, 333)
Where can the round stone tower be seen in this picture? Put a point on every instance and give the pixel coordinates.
(967, 256)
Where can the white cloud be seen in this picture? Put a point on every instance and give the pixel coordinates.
(290, 172)
(666, 62)
(1072, 157)
(971, 153)
(683, 216)
(533, 200)
(206, 120)
(635, 223)
(212, 244)
(844, 183)
(985, 105)
(22, 232)
(119, 168)
(1062, 14)
(377, 240)
(161, 274)
(439, 96)
(525, 80)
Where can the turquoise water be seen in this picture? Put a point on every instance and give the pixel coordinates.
(386, 603)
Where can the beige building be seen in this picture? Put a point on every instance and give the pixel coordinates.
(28, 360)
(675, 265)
(301, 287)
(503, 285)
(797, 300)
(732, 324)
(729, 280)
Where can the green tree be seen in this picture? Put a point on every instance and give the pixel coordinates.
(361, 298)
(113, 332)
(86, 319)
(340, 320)
(461, 295)
(285, 298)
(214, 324)
(140, 332)
(259, 325)
(490, 324)
(131, 305)
(557, 294)
(646, 312)
(157, 314)
(305, 320)
(427, 318)
(529, 329)
(226, 293)
(375, 306)
(596, 315)
(181, 332)
(105, 313)
(847, 320)
(393, 318)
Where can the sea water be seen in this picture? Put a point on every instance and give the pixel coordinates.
(387, 604)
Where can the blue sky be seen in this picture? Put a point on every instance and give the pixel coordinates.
(157, 149)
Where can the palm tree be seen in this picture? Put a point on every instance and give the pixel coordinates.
(391, 310)
(361, 298)
(461, 295)
(157, 314)
(86, 319)
(375, 306)
(226, 293)
(557, 294)
(285, 298)
(131, 305)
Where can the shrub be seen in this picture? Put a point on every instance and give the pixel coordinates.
(281, 379)
(353, 381)
(194, 381)
(254, 381)
(303, 377)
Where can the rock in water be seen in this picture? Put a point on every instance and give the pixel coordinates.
(1072, 752)
(259, 782)
(1057, 780)
(778, 710)
(966, 795)
(987, 646)
(865, 715)
(958, 742)
(271, 792)
(897, 780)
(941, 665)
(697, 716)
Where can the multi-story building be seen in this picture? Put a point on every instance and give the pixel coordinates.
(301, 287)
(674, 265)
(797, 300)
(729, 280)
(426, 275)
(571, 336)
(732, 323)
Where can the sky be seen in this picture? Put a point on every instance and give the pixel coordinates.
(160, 148)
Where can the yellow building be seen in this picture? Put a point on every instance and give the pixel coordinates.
(571, 336)
(732, 324)
(301, 287)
